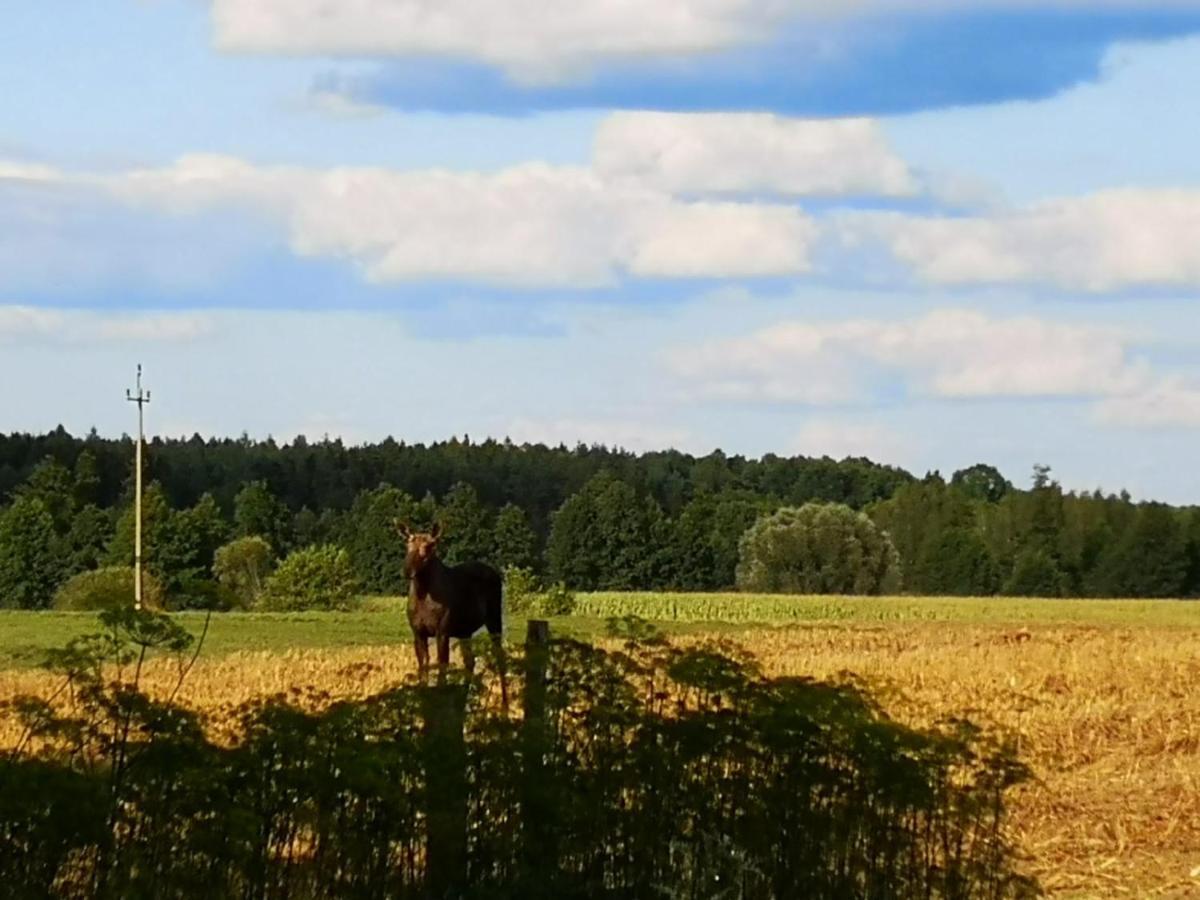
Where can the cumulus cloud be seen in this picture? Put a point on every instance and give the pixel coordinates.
(13, 170)
(531, 40)
(839, 439)
(1169, 402)
(750, 153)
(24, 323)
(529, 225)
(1101, 242)
(536, 42)
(947, 353)
(635, 211)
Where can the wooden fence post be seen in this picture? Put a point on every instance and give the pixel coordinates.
(537, 813)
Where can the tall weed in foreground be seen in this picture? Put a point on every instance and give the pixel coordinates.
(647, 771)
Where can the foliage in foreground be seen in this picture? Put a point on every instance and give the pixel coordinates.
(634, 773)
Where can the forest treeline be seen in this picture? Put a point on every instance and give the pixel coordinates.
(590, 517)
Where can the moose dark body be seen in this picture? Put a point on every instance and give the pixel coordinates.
(447, 602)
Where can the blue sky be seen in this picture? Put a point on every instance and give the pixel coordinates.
(933, 234)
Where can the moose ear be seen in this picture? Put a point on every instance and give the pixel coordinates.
(403, 528)
(436, 531)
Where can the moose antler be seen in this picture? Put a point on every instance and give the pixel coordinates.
(403, 528)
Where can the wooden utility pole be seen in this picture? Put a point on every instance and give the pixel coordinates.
(446, 789)
(141, 399)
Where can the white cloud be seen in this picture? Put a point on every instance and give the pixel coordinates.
(26, 323)
(537, 224)
(674, 239)
(534, 41)
(1169, 402)
(839, 439)
(1101, 242)
(533, 224)
(11, 170)
(337, 104)
(946, 353)
(638, 436)
(786, 363)
(530, 39)
(200, 181)
(732, 153)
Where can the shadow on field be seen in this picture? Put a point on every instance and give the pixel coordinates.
(641, 772)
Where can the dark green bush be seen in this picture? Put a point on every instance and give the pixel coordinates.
(200, 593)
(107, 588)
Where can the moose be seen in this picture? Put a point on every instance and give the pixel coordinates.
(447, 602)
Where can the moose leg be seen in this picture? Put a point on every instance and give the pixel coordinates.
(468, 655)
(443, 652)
(421, 645)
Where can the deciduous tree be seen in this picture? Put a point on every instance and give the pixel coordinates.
(31, 566)
(819, 548)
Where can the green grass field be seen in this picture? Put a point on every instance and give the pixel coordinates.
(25, 636)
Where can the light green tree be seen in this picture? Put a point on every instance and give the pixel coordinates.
(242, 567)
(312, 578)
(818, 548)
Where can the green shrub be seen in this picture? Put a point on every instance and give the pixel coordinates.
(242, 567)
(556, 600)
(818, 548)
(313, 578)
(525, 595)
(1035, 574)
(201, 593)
(107, 588)
(520, 589)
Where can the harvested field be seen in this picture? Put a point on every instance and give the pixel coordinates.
(1106, 716)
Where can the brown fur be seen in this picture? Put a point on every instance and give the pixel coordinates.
(447, 602)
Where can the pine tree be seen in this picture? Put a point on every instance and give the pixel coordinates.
(369, 535)
(466, 526)
(257, 511)
(514, 543)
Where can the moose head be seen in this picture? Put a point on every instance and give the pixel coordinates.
(422, 546)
